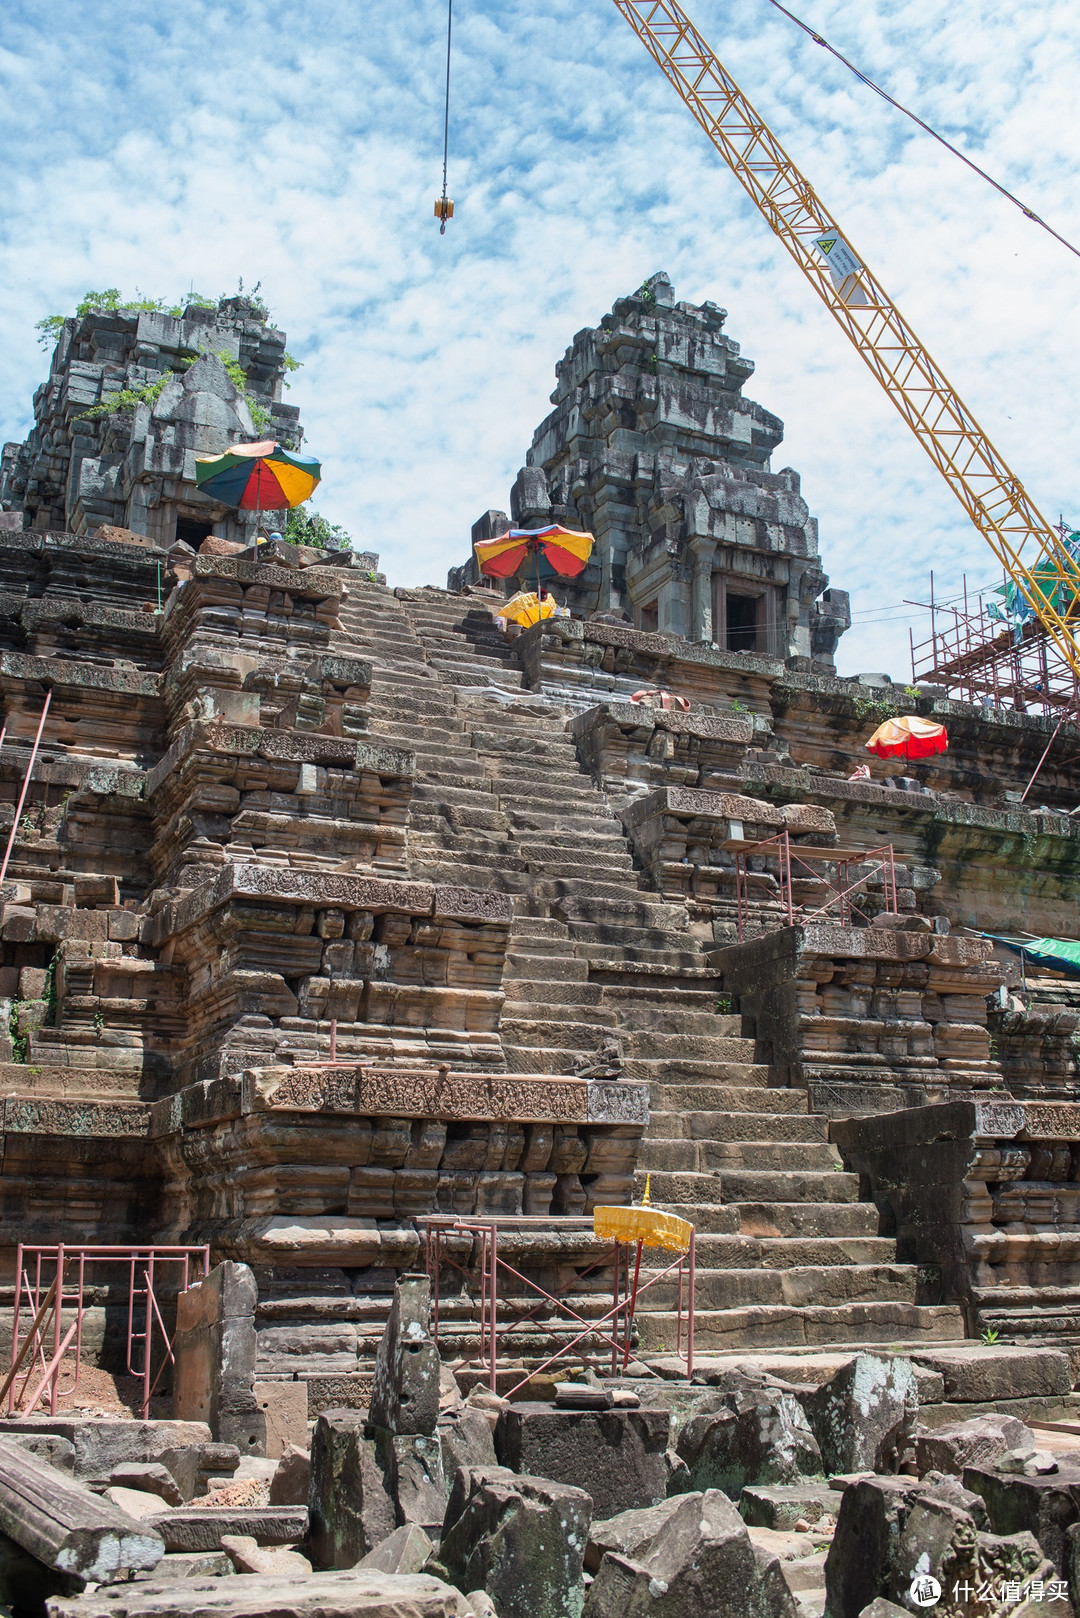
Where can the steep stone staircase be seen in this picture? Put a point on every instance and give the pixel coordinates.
(787, 1252)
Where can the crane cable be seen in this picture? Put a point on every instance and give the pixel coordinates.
(446, 116)
(1028, 213)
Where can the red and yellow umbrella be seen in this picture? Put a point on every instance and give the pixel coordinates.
(908, 737)
(258, 477)
(558, 551)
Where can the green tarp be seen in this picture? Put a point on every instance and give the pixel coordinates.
(1064, 953)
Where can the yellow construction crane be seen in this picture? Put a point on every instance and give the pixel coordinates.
(1033, 554)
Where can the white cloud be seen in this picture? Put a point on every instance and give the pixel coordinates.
(302, 147)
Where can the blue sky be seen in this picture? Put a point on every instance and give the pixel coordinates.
(302, 147)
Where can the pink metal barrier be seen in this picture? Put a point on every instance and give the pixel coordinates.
(880, 864)
(66, 1292)
(613, 1328)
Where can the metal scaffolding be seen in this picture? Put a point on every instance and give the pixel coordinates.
(1017, 665)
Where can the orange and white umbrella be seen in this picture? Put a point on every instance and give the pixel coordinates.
(908, 737)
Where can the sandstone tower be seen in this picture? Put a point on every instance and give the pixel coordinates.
(178, 386)
(652, 446)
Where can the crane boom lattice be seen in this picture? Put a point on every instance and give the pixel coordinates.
(1030, 550)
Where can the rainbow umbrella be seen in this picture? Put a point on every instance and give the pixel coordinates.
(258, 477)
(562, 552)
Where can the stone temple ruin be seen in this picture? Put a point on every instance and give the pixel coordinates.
(332, 910)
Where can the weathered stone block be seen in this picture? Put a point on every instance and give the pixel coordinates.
(689, 1558)
(405, 1395)
(864, 1418)
(752, 1436)
(521, 1539)
(617, 1456)
(350, 1508)
(215, 1357)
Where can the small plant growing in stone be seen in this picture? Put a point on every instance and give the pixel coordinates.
(989, 1337)
(725, 1004)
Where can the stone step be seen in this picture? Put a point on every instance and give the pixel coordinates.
(768, 1326)
(536, 1012)
(748, 1185)
(694, 1047)
(794, 1185)
(610, 867)
(555, 967)
(749, 1092)
(604, 832)
(678, 999)
(602, 887)
(795, 1287)
(538, 927)
(550, 992)
(781, 1253)
(476, 796)
(636, 914)
(543, 820)
(695, 1074)
(538, 1033)
(735, 1126)
(526, 944)
(707, 1156)
(634, 948)
(783, 1219)
(657, 1018)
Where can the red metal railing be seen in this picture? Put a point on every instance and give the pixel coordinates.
(620, 1317)
(32, 1268)
(881, 863)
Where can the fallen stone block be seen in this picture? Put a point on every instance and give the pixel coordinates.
(1043, 1506)
(292, 1478)
(248, 1556)
(215, 1348)
(133, 1502)
(405, 1395)
(939, 1539)
(975, 1373)
(151, 1477)
(193, 1565)
(196, 1467)
(357, 1593)
(284, 1410)
(693, 1561)
(65, 1527)
(617, 1456)
(521, 1539)
(466, 1439)
(351, 1510)
(404, 1551)
(50, 1447)
(631, 1533)
(864, 1417)
(782, 1506)
(869, 1524)
(978, 1442)
(103, 1443)
(753, 1436)
(412, 1467)
(200, 1528)
(1028, 1462)
(881, 1608)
